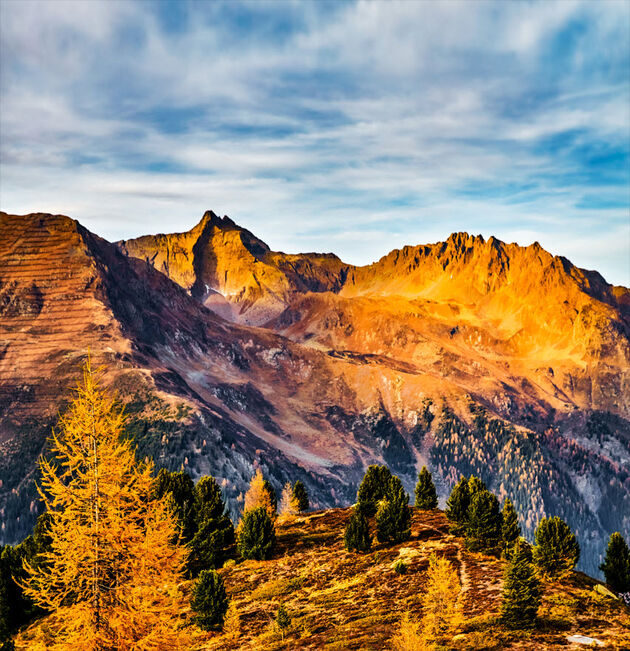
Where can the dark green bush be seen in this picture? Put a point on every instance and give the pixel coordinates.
(209, 601)
(256, 536)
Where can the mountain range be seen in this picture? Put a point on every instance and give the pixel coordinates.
(468, 356)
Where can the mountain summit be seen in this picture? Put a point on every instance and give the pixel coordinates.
(233, 272)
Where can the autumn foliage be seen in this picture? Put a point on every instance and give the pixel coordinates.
(260, 494)
(112, 576)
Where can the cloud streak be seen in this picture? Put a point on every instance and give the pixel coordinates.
(352, 126)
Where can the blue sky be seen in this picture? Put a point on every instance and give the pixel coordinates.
(353, 127)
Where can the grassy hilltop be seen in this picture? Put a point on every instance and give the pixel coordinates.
(341, 600)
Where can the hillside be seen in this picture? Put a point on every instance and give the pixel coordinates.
(340, 600)
(469, 356)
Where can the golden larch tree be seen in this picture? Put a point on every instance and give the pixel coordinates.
(441, 603)
(258, 495)
(408, 636)
(113, 576)
(289, 505)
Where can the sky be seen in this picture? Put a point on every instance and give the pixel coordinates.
(351, 127)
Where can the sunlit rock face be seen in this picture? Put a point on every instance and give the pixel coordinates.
(233, 272)
(466, 355)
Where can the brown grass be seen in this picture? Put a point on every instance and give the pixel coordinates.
(339, 600)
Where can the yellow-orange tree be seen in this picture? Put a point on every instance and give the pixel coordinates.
(113, 577)
(442, 606)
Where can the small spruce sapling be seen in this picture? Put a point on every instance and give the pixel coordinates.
(426, 495)
(283, 620)
(209, 601)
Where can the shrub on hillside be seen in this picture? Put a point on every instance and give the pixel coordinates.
(373, 488)
(426, 495)
(521, 590)
(557, 550)
(209, 601)
(283, 620)
(256, 535)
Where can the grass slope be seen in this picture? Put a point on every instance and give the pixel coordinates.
(338, 600)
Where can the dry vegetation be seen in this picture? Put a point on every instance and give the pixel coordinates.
(339, 600)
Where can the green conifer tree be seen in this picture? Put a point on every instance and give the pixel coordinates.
(300, 496)
(180, 487)
(510, 529)
(373, 488)
(521, 590)
(616, 565)
(393, 518)
(426, 495)
(214, 532)
(209, 601)
(16, 608)
(457, 507)
(283, 620)
(357, 537)
(483, 531)
(256, 535)
(475, 485)
(556, 551)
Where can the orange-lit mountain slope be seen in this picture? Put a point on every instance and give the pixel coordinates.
(232, 271)
(467, 356)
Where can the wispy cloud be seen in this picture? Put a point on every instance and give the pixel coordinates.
(352, 127)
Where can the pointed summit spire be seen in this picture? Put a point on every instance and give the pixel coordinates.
(212, 219)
